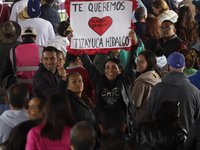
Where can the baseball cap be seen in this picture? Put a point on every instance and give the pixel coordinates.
(29, 31)
(176, 60)
(197, 4)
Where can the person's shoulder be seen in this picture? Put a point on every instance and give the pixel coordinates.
(20, 3)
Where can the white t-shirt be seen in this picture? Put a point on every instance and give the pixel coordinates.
(43, 27)
(17, 8)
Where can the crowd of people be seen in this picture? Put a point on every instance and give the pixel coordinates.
(147, 98)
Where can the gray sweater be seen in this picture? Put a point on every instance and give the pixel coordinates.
(175, 86)
(8, 120)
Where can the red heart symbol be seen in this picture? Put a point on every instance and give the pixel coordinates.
(100, 25)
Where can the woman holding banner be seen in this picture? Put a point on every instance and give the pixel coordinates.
(113, 88)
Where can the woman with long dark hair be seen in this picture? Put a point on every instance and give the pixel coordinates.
(148, 76)
(54, 133)
(165, 132)
(186, 26)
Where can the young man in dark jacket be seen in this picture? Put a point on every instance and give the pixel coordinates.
(45, 80)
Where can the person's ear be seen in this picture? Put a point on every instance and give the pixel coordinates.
(168, 68)
(78, 59)
(22, 38)
(120, 70)
(34, 38)
(27, 103)
(6, 99)
(101, 128)
(198, 62)
(94, 143)
(70, 142)
(124, 128)
(174, 30)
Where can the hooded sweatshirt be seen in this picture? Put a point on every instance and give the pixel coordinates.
(8, 120)
(140, 92)
(176, 87)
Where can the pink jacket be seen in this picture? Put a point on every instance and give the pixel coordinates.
(35, 142)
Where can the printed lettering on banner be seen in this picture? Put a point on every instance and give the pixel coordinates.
(100, 26)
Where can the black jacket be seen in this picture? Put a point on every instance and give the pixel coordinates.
(193, 140)
(123, 82)
(50, 14)
(81, 111)
(160, 139)
(170, 45)
(45, 82)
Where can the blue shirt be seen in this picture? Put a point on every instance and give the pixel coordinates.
(195, 79)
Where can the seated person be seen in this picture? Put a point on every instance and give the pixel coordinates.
(165, 132)
(76, 65)
(36, 107)
(82, 136)
(18, 99)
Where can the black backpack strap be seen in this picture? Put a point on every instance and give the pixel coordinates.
(14, 62)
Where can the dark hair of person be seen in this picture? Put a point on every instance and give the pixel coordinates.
(18, 135)
(186, 25)
(43, 100)
(198, 55)
(115, 60)
(57, 115)
(49, 1)
(71, 58)
(112, 117)
(198, 31)
(151, 62)
(84, 97)
(113, 139)
(152, 27)
(154, 46)
(62, 27)
(50, 49)
(161, 5)
(3, 94)
(190, 57)
(82, 136)
(29, 36)
(167, 117)
(140, 13)
(18, 95)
